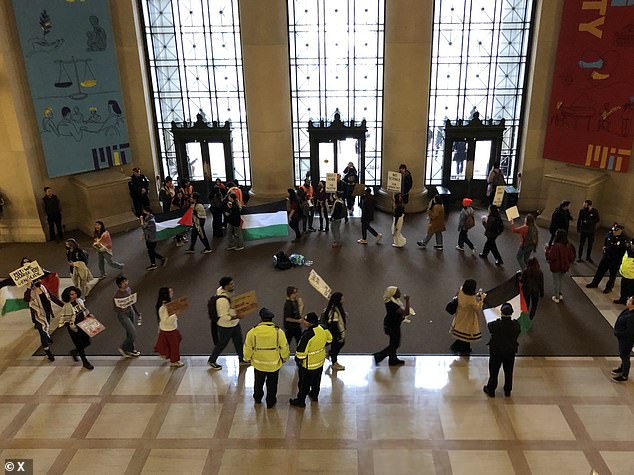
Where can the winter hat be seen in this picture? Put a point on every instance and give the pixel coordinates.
(467, 202)
(312, 318)
(266, 314)
(507, 309)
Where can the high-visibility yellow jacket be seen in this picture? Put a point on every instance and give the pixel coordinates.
(266, 347)
(311, 349)
(627, 266)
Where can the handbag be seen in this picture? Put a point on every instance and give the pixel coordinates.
(452, 307)
(91, 326)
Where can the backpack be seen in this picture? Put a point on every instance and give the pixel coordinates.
(281, 261)
(469, 221)
(297, 260)
(212, 310)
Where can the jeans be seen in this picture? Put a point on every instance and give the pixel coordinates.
(335, 225)
(294, 224)
(390, 350)
(438, 239)
(531, 303)
(308, 384)
(506, 361)
(491, 246)
(271, 379)
(557, 276)
(463, 238)
(199, 231)
(335, 348)
(235, 235)
(151, 251)
(107, 257)
(523, 254)
(365, 227)
(127, 321)
(582, 240)
(55, 221)
(323, 215)
(226, 334)
(625, 348)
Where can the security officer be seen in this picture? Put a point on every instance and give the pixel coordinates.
(310, 356)
(502, 349)
(266, 349)
(586, 225)
(614, 246)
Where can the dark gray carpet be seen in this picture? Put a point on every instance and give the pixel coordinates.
(574, 327)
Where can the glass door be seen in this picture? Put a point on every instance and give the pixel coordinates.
(217, 161)
(327, 159)
(466, 166)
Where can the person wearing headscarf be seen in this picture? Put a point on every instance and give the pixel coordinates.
(466, 323)
(395, 312)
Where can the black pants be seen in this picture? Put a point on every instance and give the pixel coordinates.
(271, 386)
(350, 202)
(490, 245)
(335, 348)
(151, 251)
(201, 233)
(323, 215)
(390, 350)
(506, 361)
(293, 332)
(625, 348)
(294, 224)
(214, 331)
(225, 335)
(137, 203)
(55, 221)
(463, 238)
(627, 289)
(582, 240)
(45, 338)
(606, 265)
(308, 384)
(216, 223)
(365, 227)
(307, 219)
(531, 302)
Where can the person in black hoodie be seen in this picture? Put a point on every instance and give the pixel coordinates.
(493, 227)
(614, 246)
(560, 220)
(367, 215)
(624, 333)
(53, 210)
(293, 309)
(532, 279)
(586, 225)
(502, 349)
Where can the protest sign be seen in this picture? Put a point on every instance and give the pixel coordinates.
(499, 195)
(331, 182)
(394, 181)
(512, 213)
(125, 302)
(245, 303)
(319, 284)
(177, 306)
(26, 274)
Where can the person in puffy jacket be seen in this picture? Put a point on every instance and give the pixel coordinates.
(560, 256)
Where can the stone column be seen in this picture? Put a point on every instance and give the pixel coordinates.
(264, 28)
(408, 39)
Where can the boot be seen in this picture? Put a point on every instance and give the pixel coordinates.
(49, 354)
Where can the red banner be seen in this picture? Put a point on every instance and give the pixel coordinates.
(591, 113)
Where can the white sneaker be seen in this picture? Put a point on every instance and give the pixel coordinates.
(379, 237)
(362, 241)
(555, 299)
(460, 248)
(561, 297)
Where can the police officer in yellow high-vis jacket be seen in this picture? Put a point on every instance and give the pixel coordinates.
(310, 357)
(266, 349)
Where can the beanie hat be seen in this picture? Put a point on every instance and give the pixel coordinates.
(467, 202)
(507, 309)
(266, 314)
(312, 318)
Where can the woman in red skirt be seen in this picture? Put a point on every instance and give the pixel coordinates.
(169, 339)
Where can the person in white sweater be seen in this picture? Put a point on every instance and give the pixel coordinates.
(169, 339)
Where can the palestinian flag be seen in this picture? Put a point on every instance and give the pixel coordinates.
(511, 292)
(175, 222)
(12, 299)
(265, 221)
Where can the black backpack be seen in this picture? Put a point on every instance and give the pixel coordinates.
(281, 261)
(212, 310)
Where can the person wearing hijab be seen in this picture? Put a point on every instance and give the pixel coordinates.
(77, 260)
(395, 312)
(466, 323)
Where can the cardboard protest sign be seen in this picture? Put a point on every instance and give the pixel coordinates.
(331, 182)
(319, 284)
(394, 181)
(359, 189)
(245, 303)
(91, 326)
(26, 274)
(126, 301)
(499, 195)
(512, 213)
(177, 306)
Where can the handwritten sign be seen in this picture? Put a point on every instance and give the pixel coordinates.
(245, 303)
(512, 213)
(499, 195)
(125, 302)
(394, 181)
(26, 274)
(319, 284)
(331, 182)
(177, 306)
(91, 326)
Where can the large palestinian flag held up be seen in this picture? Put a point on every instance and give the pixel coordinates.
(265, 221)
(173, 223)
(511, 292)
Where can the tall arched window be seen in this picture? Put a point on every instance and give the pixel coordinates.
(479, 58)
(195, 63)
(336, 61)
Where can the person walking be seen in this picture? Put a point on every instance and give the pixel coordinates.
(169, 338)
(532, 279)
(627, 275)
(78, 261)
(310, 357)
(128, 316)
(350, 180)
(465, 326)
(466, 221)
(166, 194)
(368, 206)
(293, 310)
(199, 214)
(294, 213)
(624, 333)
(529, 239)
(102, 242)
(229, 328)
(321, 198)
(614, 246)
(338, 213)
(40, 302)
(560, 256)
(266, 348)
(560, 219)
(334, 318)
(493, 227)
(586, 226)
(53, 210)
(148, 224)
(233, 210)
(495, 179)
(502, 349)
(398, 216)
(406, 182)
(395, 312)
(436, 218)
(74, 312)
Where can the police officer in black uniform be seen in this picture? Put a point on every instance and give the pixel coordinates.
(586, 225)
(614, 246)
